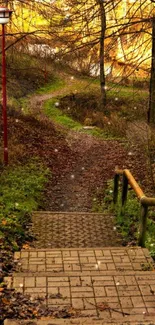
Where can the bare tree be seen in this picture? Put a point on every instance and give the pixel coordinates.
(151, 111)
(102, 50)
(109, 34)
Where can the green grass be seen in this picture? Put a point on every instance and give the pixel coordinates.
(117, 90)
(128, 220)
(52, 86)
(20, 194)
(56, 85)
(24, 105)
(57, 116)
(102, 134)
(126, 93)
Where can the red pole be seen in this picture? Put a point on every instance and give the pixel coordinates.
(4, 97)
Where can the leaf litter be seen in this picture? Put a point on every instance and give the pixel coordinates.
(16, 305)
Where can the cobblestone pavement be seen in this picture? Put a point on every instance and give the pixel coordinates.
(56, 230)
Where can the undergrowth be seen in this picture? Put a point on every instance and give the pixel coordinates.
(53, 111)
(25, 73)
(127, 219)
(20, 194)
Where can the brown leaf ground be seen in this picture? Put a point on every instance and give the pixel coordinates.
(80, 164)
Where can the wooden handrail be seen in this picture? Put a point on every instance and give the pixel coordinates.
(144, 200)
(135, 186)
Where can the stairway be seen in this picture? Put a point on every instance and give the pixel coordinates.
(101, 284)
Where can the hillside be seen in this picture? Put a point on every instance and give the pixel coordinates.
(79, 159)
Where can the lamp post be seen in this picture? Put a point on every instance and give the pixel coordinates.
(5, 15)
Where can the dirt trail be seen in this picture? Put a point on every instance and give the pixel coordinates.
(36, 102)
(71, 84)
(81, 164)
(90, 165)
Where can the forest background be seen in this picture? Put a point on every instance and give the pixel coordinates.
(112, 40)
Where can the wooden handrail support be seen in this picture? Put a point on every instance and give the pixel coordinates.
(144, 200)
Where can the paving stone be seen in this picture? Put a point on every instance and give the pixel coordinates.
(62, 261)
(126, 302)
(103, 282)
(40, 281)
(78, 229)
(81, 321)
(100, 291)
(30, 282)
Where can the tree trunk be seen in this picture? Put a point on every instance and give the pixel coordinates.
(151, 110)
(102, 73)
(6, 3)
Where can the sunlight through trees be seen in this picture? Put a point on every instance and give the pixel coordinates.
(109, 39)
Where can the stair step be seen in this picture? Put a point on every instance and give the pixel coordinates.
(92, 260)
(72, 230)
(101, 285)
(75, 278)
(82, 321)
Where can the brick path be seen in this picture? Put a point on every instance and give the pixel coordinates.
(79, 321)
(84, 260)
(57, 230)
(102, 285)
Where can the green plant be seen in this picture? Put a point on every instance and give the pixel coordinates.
(20, 194)
(147, 267)
(128, 219)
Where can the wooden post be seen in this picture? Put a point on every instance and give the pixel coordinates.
(124, 190)
(143, 225)
(116, 183)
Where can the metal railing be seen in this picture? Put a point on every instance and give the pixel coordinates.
(145, 201)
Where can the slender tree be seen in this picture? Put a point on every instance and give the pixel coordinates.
(151, 111)
(102, 54)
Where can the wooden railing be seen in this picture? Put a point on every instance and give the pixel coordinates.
(145, 201)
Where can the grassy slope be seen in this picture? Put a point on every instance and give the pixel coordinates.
(123, 105)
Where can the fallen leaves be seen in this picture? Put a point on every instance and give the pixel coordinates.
(102, 306)
(5, 301)
(4, 222)
(15, 305)
(26, 246)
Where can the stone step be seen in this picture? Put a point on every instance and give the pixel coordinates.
(89, 261)
(110, 285)
(82, 321)
(72, 230)
(103, 295)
